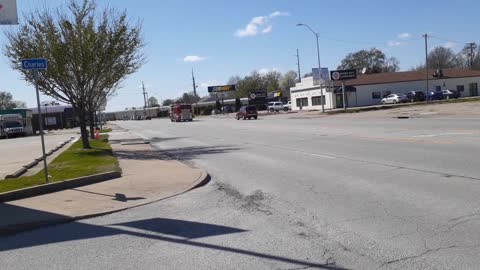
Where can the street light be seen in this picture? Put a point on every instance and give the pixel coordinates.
(319, 66)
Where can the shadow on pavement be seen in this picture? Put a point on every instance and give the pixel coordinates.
(15, 218)
(158, 229)
(141, 140)
(183, 154)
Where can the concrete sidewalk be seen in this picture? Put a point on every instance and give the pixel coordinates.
(148, 176)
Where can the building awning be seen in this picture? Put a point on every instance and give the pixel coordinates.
(348, 89)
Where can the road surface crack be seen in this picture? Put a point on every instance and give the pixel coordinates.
(426, 252)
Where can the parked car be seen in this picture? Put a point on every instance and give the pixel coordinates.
(276, 106)
(288, 106)
(415, 96)
(394, 99)
(447, 94)
(435, 95)
(247, 112)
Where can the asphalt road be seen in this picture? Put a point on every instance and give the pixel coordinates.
(327, 193)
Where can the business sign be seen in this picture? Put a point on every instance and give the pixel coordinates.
(221, 88)
(8, 12)
(257, 97)
(317, 76)
(37, 63)
(346, 74)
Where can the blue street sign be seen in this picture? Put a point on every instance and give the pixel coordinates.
(37, 63)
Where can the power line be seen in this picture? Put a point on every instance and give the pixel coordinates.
(363, 42)
(448, 40)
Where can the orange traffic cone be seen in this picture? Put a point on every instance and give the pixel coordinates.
(97, 134)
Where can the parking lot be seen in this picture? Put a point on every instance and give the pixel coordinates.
(18, 152)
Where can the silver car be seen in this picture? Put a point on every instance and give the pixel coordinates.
(394, 99)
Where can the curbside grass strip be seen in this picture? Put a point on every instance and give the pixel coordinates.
(57, 186)
(37, 160)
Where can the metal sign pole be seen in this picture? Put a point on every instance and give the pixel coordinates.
(343, 96)
(40, 123)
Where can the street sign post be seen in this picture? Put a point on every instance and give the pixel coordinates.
(35, 65)
(257, 97)
(342, 75)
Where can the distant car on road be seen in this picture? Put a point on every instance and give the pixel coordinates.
(394, 99)
(447, 94)
(247, 112)
(435, 95)
(276, 107)
(415, 96)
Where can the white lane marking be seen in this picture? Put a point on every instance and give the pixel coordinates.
(322, 156)
(441, 134)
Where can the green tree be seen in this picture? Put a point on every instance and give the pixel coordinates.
(272, 80)
(188, 98)
(288, 81)
(152, 102)
(7, 102)
(441, 57)
(90, 53)
(168, 102)
(465, 59)
(254, 81)
(373, 60)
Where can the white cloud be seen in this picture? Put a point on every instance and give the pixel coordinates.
(193, 58)
(395, 43)
(404, 35)
(267, 30)
(259, 24)
(449, 45)
(278, 14)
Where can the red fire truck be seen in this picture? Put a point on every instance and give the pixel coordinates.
(181, 112)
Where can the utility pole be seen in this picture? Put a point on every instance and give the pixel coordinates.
(298, 65)
(472, 55)
(194, 85)
(144, 100)
(426, 62)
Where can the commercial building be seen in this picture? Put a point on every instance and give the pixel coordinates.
(55, 117)
(369, 89)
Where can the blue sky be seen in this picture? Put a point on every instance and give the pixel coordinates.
(225, 38)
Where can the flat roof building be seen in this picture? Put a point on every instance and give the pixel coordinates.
(369, 89)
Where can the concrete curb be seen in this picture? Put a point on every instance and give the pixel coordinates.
(30, 165)
(16, 174)
(57, 186)
(202, 180)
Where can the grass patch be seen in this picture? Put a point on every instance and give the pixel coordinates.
(105, 130)
(72, 163)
